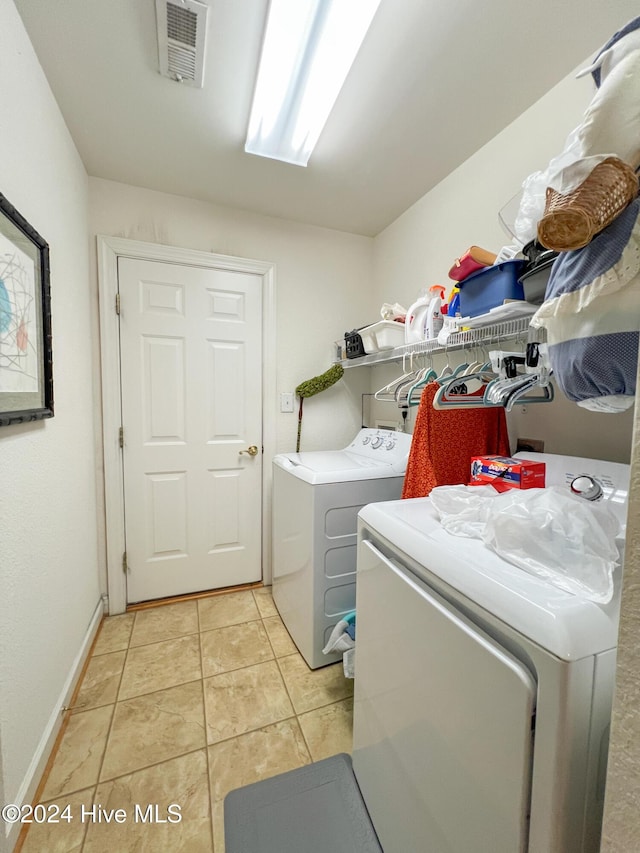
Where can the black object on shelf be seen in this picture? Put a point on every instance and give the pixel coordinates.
(353, 343)
(535, 275)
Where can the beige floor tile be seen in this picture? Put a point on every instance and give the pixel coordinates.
(100, 683)
(229, 609)
(114, 634)
(217, 809)
(77, 762)
(279, 637)
(328, 730)
(156, 753)
(161, 665)
(224, 649)
(255, 756)
(165, 623)
(154, 728)
(66, 836)
(181, 781)
(264, 600)
(310, 689)
(250, 698)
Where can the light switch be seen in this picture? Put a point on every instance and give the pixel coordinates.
(286, 401)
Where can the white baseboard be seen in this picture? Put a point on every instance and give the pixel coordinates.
(43, 751)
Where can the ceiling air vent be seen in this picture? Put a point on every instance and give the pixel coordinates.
(182, 27)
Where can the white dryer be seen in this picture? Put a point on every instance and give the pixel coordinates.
(316, 499)
(482, 693)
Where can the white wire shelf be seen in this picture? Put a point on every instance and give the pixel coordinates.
(492, 335)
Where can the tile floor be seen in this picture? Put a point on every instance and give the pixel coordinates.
(181, 704)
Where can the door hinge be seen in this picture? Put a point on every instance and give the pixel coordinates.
(121, 436)
(125, 565)
(117, 303)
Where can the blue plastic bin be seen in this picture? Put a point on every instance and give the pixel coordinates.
(489, 288)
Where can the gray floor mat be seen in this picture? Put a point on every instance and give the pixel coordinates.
(314, 809)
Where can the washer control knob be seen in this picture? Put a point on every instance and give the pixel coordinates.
(586, 487)
(366, 439)
(377, 441)
(390, 444)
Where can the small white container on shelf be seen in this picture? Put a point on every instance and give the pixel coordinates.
(340, 350)
(385, 334)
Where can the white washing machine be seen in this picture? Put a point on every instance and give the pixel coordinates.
(482, 694)
(316, 500)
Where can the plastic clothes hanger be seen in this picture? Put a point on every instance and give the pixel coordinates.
(422, 376)
(423, 381)
(402, 392)
(456, 374)
(474, 367)
(520, 396)
(448, 373)
(473, 370)
(497, 391)
(466, 389)
(387, 393)
(506, 392)
(446, 370)
(512, 387)
(456, 394)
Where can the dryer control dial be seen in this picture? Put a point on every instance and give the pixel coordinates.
(586, 487)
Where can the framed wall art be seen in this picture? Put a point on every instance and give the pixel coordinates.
(26, 373)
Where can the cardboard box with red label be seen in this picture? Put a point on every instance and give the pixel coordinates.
(503, 473)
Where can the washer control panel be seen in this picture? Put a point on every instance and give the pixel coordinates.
(383, 445)
(586, 487)
(591, 479)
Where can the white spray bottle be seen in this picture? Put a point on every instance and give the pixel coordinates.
(434, 318)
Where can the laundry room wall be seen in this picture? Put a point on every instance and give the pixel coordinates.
(323, 287)
(418, 249)
(323, 281)
(48, 554)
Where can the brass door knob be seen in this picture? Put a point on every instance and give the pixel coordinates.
(252, 451)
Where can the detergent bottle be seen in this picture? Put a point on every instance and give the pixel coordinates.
(434, 318)
(454, 302)
(415, 322)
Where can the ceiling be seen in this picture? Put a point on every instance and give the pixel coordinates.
(434, 81)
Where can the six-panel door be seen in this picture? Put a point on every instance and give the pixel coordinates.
(191, 402)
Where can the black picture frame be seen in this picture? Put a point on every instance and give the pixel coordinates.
(26, 355)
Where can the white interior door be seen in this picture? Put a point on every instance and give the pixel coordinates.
(191, 381)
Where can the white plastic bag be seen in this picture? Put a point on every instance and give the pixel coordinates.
(464, 510)
(549, 533)
(558, 537)
(392, 312)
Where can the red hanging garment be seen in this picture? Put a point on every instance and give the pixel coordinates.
(445, 440)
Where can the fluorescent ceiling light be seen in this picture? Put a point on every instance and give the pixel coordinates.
(308, 49)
